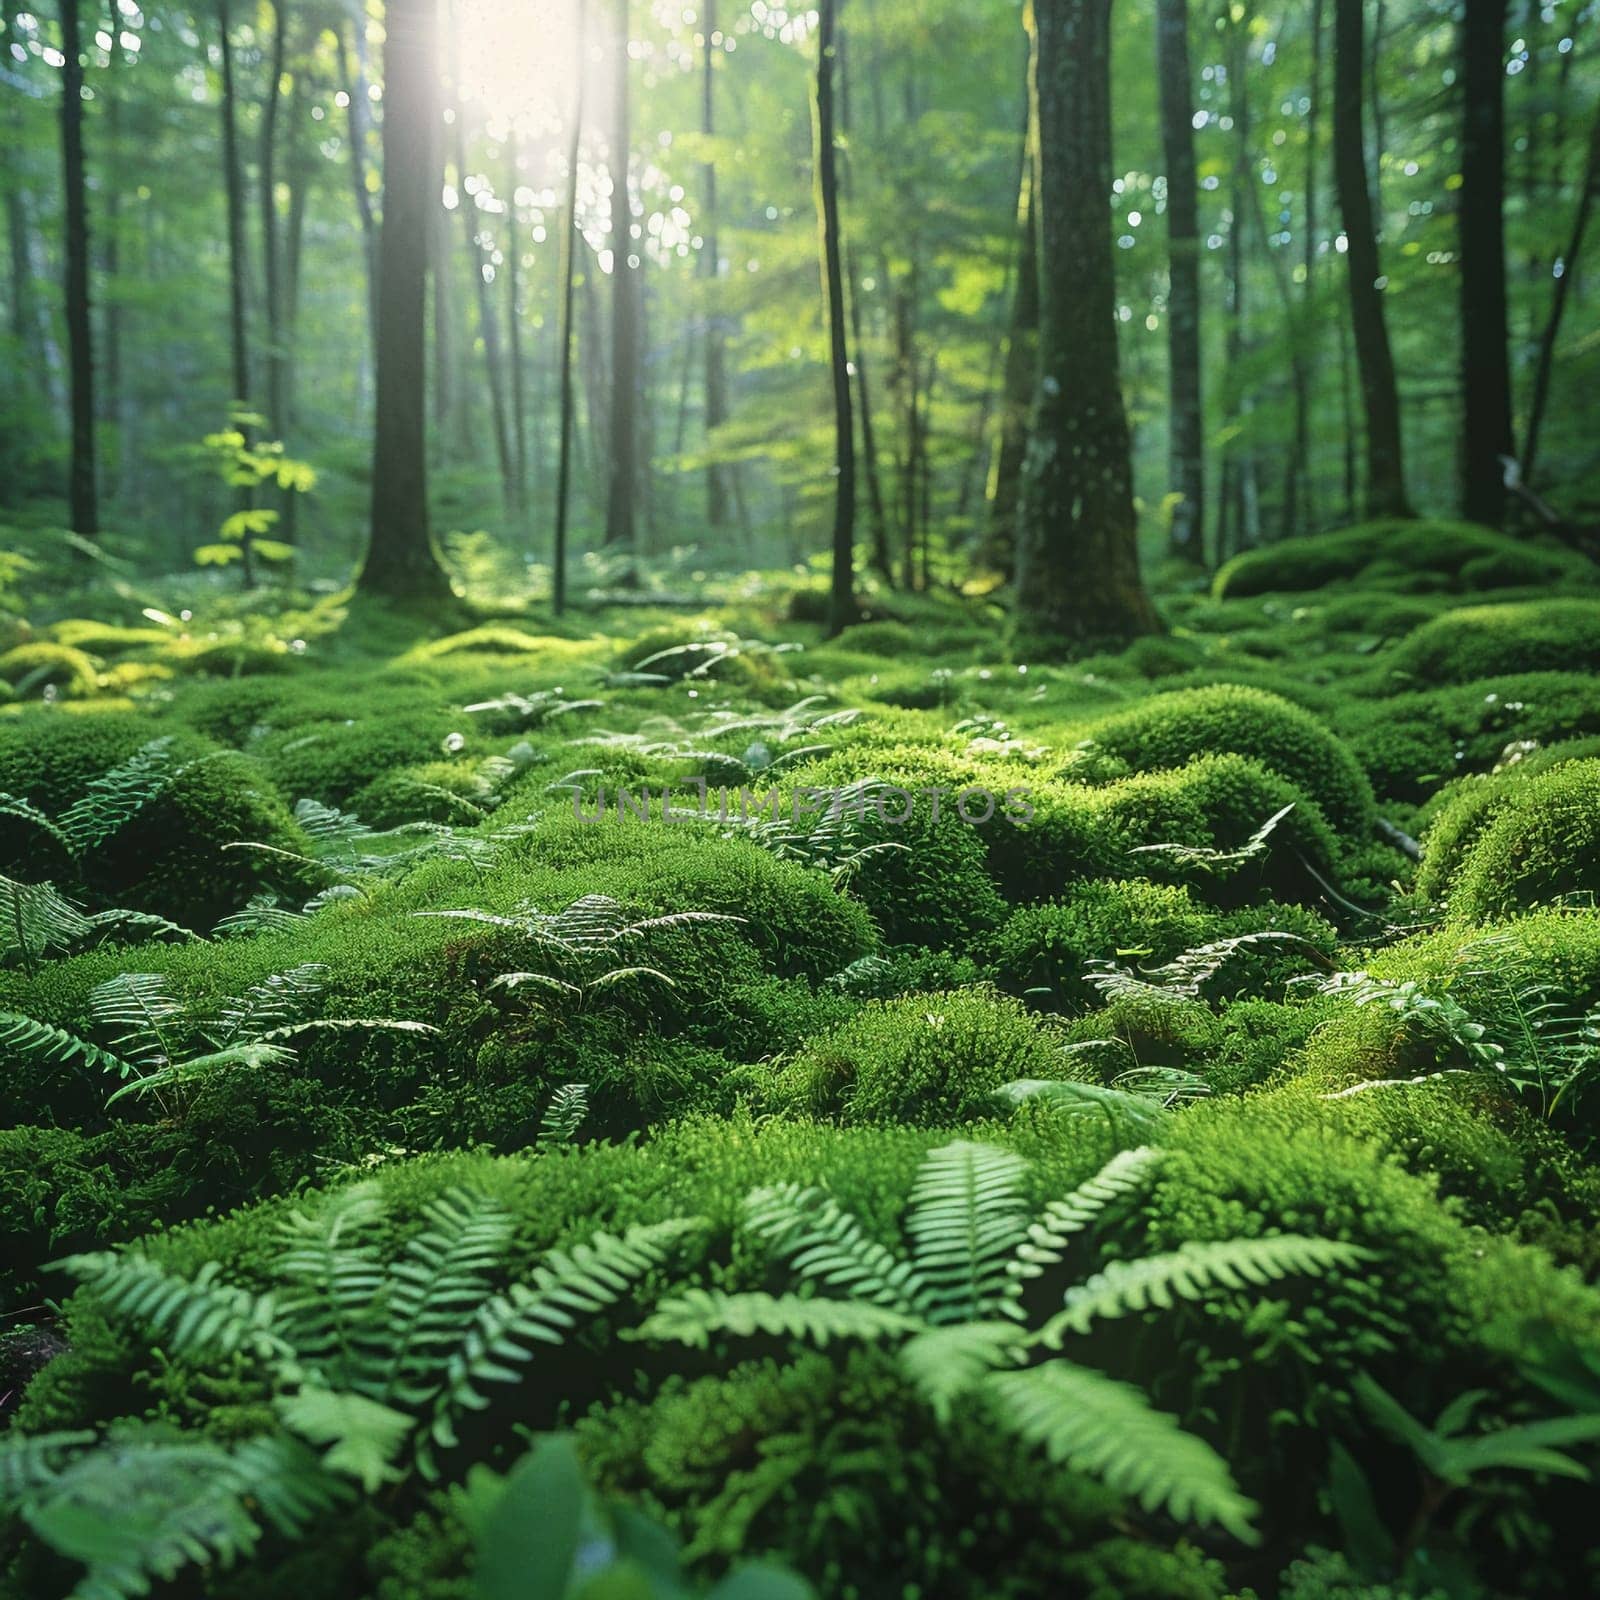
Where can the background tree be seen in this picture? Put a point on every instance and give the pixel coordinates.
(401, 563)
(621, 531)
(83, 504)
(1077, 549)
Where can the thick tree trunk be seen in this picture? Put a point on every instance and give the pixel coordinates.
(83, 509)
(1385, 490)
(1588, 194)
(401, 561)
(1313, 215)
(842, 597)
(1078, 577)
(1185, 436)
(1485, 366)
(621, 532)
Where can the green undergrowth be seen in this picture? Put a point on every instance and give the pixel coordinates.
(953, 1124)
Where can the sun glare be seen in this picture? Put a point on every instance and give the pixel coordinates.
(516, 57)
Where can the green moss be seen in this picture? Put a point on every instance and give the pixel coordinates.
(1480, 641)
(1542, 844)
(925, 1059)
(29, 669)
(1422, 553)
(1172, 729)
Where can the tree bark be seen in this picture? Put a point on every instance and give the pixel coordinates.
(1385, 487)
(401, 560)
(233, 183)
(83, 508)
(1567, 271)
(1485, 365)
(1185, 435)
(621, 533)
(842, 597)
(716, 378)
(356, 87)
(271, 255)
(1078, 581)
(569, 257)
(519, 377)
(1308, 298)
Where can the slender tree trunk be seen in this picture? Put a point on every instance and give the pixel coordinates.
(842, 596)
(519, 377)
(1185, 436)
(401, 561)
(1077, 548)
(450, 417)
(1385, 492)
(1567, 270)
(569, 257)
(877, 515)
(1018, 379)
(716, 379)
(1313, 215)
(271, 254)
(1485, 365)
(233, 183)
(356, 87)
(621, 533)
(83, 507)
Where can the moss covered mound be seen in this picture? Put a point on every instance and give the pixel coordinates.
(1480, 641)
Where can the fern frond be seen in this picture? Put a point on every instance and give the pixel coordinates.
(1193, 1270)
(439, 1281)
(42, 1041)
(827, 1244)
(142, 924)
(332, 1264)
(36, 920)
(254, 1056)
(1135, 1113)
(362, 1436)
(565, 1114)
(115, 797)
(965, 1221)
(346, 1025)
(1046, 1243)
(277, 999)
(31, 1462)
(194, 1315)
(262, 915)
(565, 1284)
(695, 1316)
(1094, 1424)
(13, 805)
(944, 1363)
(138, 1004)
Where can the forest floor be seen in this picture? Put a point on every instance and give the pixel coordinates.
(352, 980)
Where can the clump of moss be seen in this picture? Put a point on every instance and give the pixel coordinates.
(29, 669)
(1480, 641)
(1543, 843)
(1172, 729)
(928, 1059)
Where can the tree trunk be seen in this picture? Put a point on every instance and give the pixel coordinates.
(356, 88)
(1018, 380)
(519, 378)
(1385, 490)
(716, 379)
(1078, 580)
(1485, 367)
(1567, 269)
(81, 495)
(1185, 426)
(1309, 259)
(271, 255)
(233, 183)
(842, 595)
(621, 533)
(569, 257)
(401, 561)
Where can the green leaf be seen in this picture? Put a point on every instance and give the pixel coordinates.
(530, 1538)
(363, 1436)
(217, 555)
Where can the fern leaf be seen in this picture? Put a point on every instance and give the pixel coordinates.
(565, 1285)
(1193, 1270)
(194, 1315)
(1045, 1245)
(141, 925)
(139, 1005)
(965, 1221)
(1135, 1112)
(13, 805)
(115, 797)
(945, 1363)
(828, 1245)
(255, 1056)
(363, 1436)
(29, 1463)
(22, 1036)
(276, 999)
(330, 1261)
(565, 1114)
(1094, 1424)
(695, 1316)
(35, 920)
